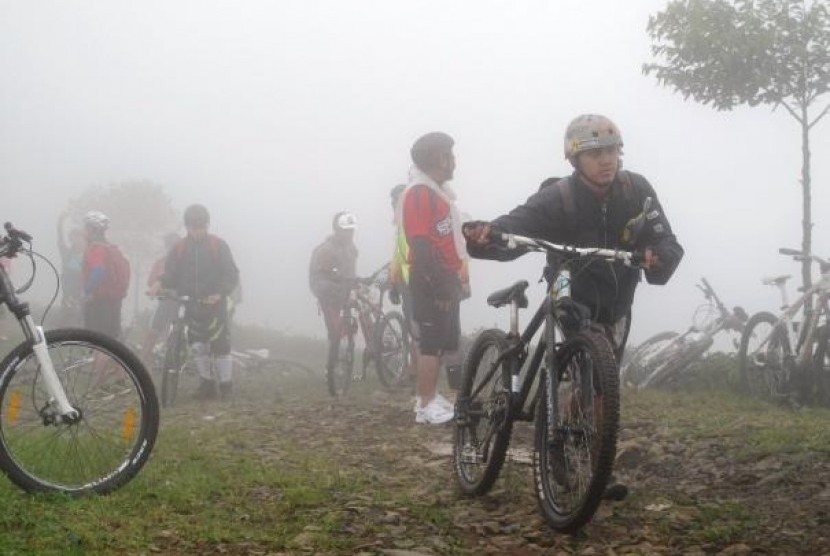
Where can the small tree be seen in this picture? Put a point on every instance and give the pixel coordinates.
(140, 214)
(774, 52)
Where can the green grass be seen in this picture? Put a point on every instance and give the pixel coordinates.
(762, 428)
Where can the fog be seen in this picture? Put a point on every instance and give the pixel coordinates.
(276, 115)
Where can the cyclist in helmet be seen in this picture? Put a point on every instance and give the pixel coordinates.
(331, 274)
(103, 285)
(599, 204)
(202, 267)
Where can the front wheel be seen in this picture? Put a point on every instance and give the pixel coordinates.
(764, 357)
(339, 371)
(393, 351)
(118, 415)
(483, 421)
(175, 358)
(576, 431)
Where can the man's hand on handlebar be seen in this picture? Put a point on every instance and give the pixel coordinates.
(478, 232)
(650, 260)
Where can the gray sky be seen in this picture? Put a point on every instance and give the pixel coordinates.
(278, 114)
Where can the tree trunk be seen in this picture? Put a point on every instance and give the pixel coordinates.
(806, 223)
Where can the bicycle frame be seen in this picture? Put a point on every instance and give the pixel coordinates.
(58, 400)
(517, 353)
(821, 291)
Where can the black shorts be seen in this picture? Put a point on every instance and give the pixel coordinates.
(103, 315)
(438, 331)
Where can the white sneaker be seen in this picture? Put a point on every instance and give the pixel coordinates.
(433, 413)
(441, 400)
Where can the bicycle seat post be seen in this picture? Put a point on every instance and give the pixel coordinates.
(514, 318)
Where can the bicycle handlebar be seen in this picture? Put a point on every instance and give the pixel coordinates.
(513, 241)
(11, 244)
(824, 264)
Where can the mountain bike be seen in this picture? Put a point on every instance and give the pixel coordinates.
(78, 411)
(663, 357)
(780, 358)
(576, 398)
(385, 335)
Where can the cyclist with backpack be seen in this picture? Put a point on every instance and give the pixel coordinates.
(106, 277)
(331, 275)
(201, 267)
(599, 204)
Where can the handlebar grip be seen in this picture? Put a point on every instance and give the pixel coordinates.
(15, 233)
(790, 252)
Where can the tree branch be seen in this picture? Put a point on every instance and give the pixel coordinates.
(820, 116)
(791, 111)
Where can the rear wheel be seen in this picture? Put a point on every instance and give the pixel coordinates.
(821, 366)
(764, 357)
(339, 372)
(576, 431)
(646, 358)
(393, 351)
(117, 424)
(483, 421)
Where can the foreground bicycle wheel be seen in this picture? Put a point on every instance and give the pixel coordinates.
(575, 448)
(764, 356)
(118, 424)
(393, 351)
(645, 359)
(339, 374)
(483, 423)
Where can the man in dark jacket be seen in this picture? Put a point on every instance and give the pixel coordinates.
(331, 276)
(599, 205)
(201, 267)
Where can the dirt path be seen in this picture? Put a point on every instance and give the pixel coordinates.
(693, 492)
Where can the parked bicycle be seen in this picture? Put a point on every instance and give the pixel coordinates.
(780, 358)
(385, 335)
(664, 357)
(257, 369)
(78, 411)
(575, 402)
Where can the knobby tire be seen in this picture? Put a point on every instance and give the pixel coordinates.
(483, 419)
(584, 433)
(764, 373)
(118, 424)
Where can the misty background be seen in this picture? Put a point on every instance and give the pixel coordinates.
(276, 115)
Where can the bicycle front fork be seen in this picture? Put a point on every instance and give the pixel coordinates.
(57, 395)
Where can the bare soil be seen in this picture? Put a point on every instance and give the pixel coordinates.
(701, 480)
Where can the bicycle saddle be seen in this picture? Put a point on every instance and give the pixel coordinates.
(508, 295)
(775, 280)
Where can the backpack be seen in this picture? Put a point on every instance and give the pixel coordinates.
(117, 278)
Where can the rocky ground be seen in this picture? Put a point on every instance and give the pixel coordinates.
(706, 477)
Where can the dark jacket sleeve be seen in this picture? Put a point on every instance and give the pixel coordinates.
(541, 216)
(170, 278)
(229, 277)
(428, 273)
(657, 235)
